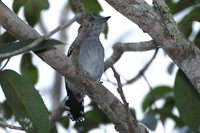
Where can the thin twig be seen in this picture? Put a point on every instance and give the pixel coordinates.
(40, 39)
(6, 125)
(5, 64)
(119, 88)
(120, 48)
(152, 98)
(141, 72)
(145, 78)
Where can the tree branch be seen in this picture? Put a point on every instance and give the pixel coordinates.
(120, 91)
(120, 48)
(119, 88)
(141, 72)
(181, 51)
(109, 104)
(6, 125)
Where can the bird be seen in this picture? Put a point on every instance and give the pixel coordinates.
(91, 59)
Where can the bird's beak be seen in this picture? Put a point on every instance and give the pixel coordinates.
(106, 18)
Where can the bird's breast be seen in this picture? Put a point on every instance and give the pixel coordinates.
(91, 57)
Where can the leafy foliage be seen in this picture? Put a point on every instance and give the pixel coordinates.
(187, 21)
(28, 69)
(177, 7)
(64, 121)
(187, 100)
(25, 101)
(161, 92)
(6, 110)
(6, 37)
(13, 46)
(153, 113)
(17, 4)
(32, 9)
(94, 117)
(91, 6)
(184, 96)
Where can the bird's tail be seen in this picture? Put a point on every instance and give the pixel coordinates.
(74, 106)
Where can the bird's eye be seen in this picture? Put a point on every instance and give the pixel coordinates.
(91, 19)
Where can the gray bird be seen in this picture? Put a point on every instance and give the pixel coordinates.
(91, 59)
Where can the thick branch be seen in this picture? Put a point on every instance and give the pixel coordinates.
(111, 106)
(184, 54)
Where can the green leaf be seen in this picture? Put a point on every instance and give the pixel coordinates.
(6, 37)
(70, 4)
(154, 95)
(186, 22)
(164, 115)
(6, 110)
(17, 4)
(33, 9)
(10, 47)
(28, 69)
(64, 121)
(94, 118)
(180, 5)
(187, 100)
(92, 6)
(166, 110)
(26, 102)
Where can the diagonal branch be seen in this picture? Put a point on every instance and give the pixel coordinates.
(120, 90)
(141, 72)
